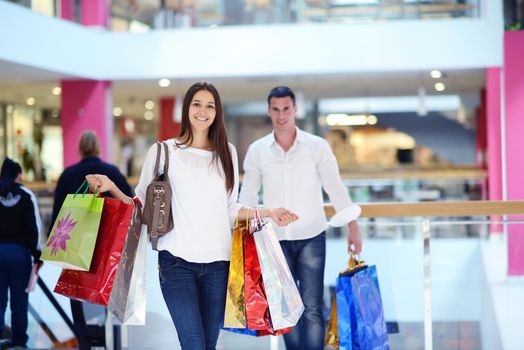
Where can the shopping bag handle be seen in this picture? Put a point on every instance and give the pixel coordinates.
(87, 188)
(247, 219)
(354, 264)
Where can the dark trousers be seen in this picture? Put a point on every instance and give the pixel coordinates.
(306, 259)
(15, 269)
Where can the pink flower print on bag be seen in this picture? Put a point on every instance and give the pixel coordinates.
(61, 234)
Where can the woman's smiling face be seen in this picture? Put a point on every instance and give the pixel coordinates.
(202, 111)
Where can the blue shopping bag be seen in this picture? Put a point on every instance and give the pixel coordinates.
(360, 315)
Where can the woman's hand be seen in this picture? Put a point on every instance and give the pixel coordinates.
(103, 184)
(100, 182)
(281, 216)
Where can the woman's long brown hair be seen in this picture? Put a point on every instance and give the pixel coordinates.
(217, 131)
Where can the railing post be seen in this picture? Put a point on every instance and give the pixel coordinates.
(109, 331)
(273, 343)
(428, 326)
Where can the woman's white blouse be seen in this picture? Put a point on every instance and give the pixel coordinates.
(203, 211)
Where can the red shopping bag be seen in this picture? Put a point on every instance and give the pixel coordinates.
(257, 310)
(96, 284)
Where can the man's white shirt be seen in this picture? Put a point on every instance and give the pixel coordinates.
(294, 180)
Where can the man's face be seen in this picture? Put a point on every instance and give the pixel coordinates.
(282, 112)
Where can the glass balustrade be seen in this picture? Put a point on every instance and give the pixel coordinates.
(138, 16)
(434, 275)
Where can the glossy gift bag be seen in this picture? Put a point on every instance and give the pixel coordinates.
(73, 237)
(284, 301)
(360, 315)
(95, 285)
(128, 298)
(247, 300)
(235, 311)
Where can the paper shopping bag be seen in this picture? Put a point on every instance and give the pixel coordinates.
(96, 284)
(128, 298)
(73, 237)
(284, 301)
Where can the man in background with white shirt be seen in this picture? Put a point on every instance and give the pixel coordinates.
(292, 166)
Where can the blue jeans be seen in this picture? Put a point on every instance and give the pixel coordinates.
(15, 269)
(306, 259)
(195, 295)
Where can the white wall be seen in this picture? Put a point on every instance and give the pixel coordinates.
(52, 44)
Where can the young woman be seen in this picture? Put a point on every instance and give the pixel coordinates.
(194, 257)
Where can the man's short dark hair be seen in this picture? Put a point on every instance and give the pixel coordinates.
(279, 92)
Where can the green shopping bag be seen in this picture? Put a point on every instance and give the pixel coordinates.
(72, 240)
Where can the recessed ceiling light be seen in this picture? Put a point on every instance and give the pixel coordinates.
(117, 111)
(149, 104)
(57, 90)
(30, 101)
(440, 86)
(164, 82)
(372, 119)
(148, 115)
(436, 74)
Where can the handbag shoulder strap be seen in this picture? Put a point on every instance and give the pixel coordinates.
(166, 159)
(158, 150)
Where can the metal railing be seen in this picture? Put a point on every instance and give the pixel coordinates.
(428, 210)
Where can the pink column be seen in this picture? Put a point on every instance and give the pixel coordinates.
(494, 141)
(67, 10)
(95, 13)
(514, 111)
(86, 105)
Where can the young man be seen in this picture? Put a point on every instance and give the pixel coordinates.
(292, 166)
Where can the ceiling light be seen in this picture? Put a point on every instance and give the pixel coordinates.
(30, 101)
(372, 119)
(148, 115)
(345, 119)
(164, 82)
(117, 111)
(57, 90)
(129, 126)
(440, 86)
(436, 74)
(149, 104)
(388, 104)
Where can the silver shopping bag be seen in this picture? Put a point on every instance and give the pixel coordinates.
(128, 297)
(285, 304)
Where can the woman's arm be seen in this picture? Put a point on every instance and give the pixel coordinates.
(103, 184)
(281, 216)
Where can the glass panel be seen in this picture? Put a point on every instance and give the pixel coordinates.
(205, 13)
(143, 15)
(462, 261)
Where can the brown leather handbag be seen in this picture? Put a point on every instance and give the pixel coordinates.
(157, 213)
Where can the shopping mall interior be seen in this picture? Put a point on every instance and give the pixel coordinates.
(420, 101)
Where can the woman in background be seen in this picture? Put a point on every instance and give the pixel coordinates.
(19, 231)
(194, 257)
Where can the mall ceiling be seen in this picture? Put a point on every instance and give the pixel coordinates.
(17, 83)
